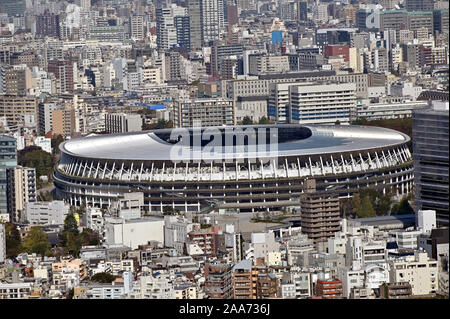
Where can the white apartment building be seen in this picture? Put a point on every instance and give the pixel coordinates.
(137, 27)
(360, 253)
(406, 89)
(176, 229)
(260, 246)
(296, 285)
(260, 63)
(45, 111)
(311, 103)
(371, 276)
(93, 218)
(151, 75)
(20, 290)
(148, 287)
(419, 270)
(46, 213)
(113, 291)
(404, 238)
(204, 112)
(135, 232)
(22, 189)
(297, 246)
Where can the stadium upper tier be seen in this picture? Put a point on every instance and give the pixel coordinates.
(280, 141)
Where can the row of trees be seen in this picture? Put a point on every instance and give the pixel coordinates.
(159, 125)
(263, 121)
(37, 241)
(370, 203)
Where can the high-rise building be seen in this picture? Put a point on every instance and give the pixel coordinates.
(63, 71)
(204, 112)
(137, 27)
(8, 159)
(2, 243)
(207, 20)
(45, 110)
(121, 123)
(320, 213)
(302, 10)
(431, 157)
(321, 103)
(21, 189)
(14, 107)
(210, 20)
(253, 281)
(218, 281)
(194, 12)
(172, 28)
(47, 25)
(63, 121)
(182, 26)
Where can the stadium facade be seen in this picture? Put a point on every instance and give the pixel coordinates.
(97, 170)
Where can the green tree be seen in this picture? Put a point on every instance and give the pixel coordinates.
(55, 144)
(35, 157)
(163, 124)
(367, 209)
(89, 237)
(264, 120)
(36, 241)
(13, 240)
(337, 122)
(73, 243)
(383, 205)
(402, 208)
(356, 204)
(103, 277)
(371, 193)
(247, 121)
(70, 224)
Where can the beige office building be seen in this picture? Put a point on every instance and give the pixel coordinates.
(14, 107)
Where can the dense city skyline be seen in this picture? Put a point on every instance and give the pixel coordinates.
(224, 149)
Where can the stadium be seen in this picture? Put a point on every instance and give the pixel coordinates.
(265, 166)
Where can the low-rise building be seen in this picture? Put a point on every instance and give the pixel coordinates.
(46, 213)
(329, 289)
(418, 270)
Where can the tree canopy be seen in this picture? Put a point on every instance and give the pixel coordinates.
(36, 241)
(367, 209)
(70, 224)
(402, 208)
(35, 157)
(247, 121)
(103, 277)
(264, 120)
(13, 240)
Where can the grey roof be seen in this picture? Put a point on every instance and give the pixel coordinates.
(146, 145)
(245, 264)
